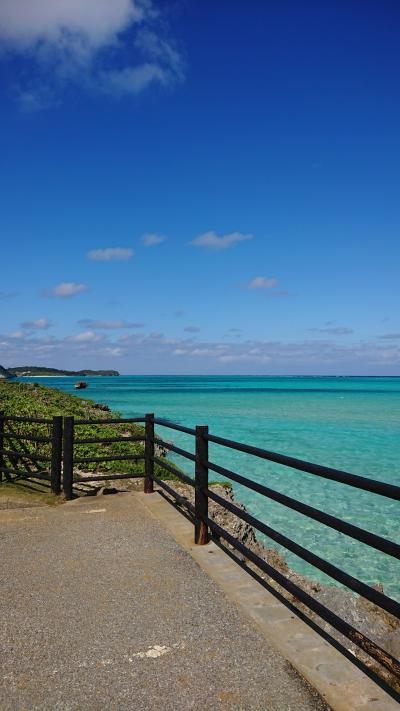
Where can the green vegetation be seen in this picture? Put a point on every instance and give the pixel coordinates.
(34, 400)
(24, 493)
(32, 370)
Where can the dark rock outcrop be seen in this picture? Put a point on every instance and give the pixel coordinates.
(5, 374)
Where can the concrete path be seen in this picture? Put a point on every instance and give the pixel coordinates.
(102, 609)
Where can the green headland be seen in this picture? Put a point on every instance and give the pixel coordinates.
(36, 400)
(33, 370)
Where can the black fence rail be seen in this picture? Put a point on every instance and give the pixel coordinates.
(63, 458)
(204, 524)
(71, 459)
(18, 457)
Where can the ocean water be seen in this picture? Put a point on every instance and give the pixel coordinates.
(343, 422)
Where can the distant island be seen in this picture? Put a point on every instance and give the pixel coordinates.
(33, 370)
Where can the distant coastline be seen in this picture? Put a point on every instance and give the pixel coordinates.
(33, 371)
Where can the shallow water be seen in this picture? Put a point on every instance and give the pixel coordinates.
(346, 423)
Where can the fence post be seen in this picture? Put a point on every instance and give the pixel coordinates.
(201, 479)
(149, 454)
(56, 454)
(68, 457)
(1, 444)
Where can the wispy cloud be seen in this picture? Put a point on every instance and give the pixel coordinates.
(210, 240)
(132, 80)
(86, 337)
(391, 336)
(92, 24)
(108, 325)
(4, 295)
(309, 356)
(161, 51)
(232, 333)
(164, 66)
(334, 330)
(66, 289)
(41, 324)
(155, 351)
(36, 98)
(260, 282)
(151, 239)
(111, 254)
(191, 329)
(80, 42)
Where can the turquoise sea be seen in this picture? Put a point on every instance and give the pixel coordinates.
(344, 422)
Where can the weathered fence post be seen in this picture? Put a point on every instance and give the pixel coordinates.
(56, 454)
(68, 457)
(201, 478)
(1, 444)
(149, 454)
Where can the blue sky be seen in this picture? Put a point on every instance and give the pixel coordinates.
(200, 187)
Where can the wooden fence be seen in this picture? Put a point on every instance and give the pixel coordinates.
(60, 473)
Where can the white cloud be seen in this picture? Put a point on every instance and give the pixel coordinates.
(17, 334)
(163, 65)
(210, 240)
(111, 254)
(38, 325)
(133, 80)
(108, 325)
(261, 282)
(244, 358)
(160, 50)
(67, 289)
(113, 352)
(80, 42)
(156, 353)
(150, 239)
(85, 25)
(86, 337)
(155, 336)
(213, 351)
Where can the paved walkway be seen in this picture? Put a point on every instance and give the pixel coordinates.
(101, 609)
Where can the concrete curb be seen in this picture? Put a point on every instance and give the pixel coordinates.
(342, 685)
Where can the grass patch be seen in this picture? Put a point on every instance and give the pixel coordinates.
(23, 494)
(35, 400)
